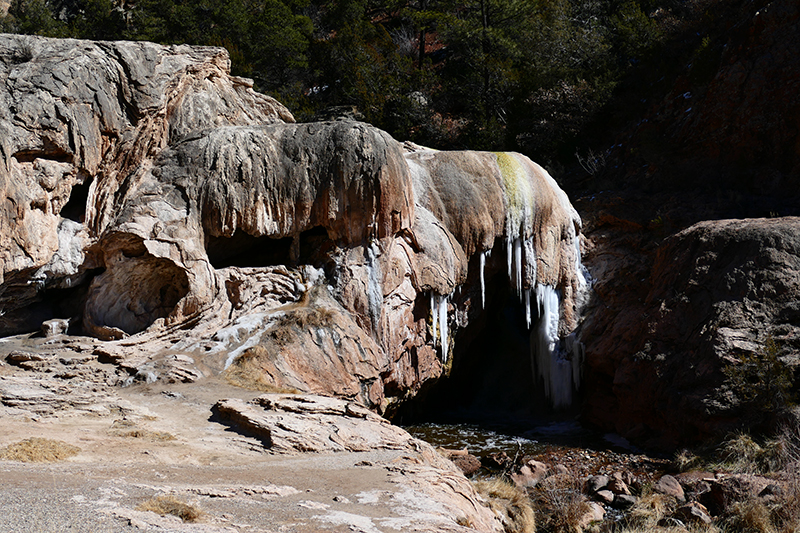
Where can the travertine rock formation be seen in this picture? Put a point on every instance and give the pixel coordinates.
(166, 208)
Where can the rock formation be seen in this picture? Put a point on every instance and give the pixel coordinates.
(719, 291)
(164, 207)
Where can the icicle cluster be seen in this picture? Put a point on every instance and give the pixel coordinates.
(439, 316)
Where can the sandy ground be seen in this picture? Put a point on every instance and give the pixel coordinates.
(127, 457)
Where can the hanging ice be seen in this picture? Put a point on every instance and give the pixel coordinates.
(483, 257)
(434, 317)
(552, 365)
(443, 327)
(439, 318)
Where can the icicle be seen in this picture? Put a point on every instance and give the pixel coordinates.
(556, 371)
(528, 307)
(518, 265)
(443, 326)
(484, 256)
(509, 253)
(435, 316)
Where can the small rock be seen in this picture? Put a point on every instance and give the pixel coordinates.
(596, 483)
(528, 477)
(561, 470)
(469, 464)
(605, 496)
(56, 326)
(596, 513)
(669, 486)
(617, 485)
(340, 499)
(623, 501)
(694, 512)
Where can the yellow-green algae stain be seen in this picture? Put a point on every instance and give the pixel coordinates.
(519, 193)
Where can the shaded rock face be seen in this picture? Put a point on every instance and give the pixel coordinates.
(176, 214)
(718, 291)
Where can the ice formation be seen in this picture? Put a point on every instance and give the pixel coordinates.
(556, 361)
(439, 318)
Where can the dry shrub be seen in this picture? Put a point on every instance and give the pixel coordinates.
(562, 503)
(649, 510)
(247, 372)
(750, 516)
(39, 450)
(170, 505)
(127, 428)
(686, 461)
(300, 318)
(511, 502)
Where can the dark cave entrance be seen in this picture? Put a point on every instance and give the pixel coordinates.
(246, 251)
(491, 380)
(75, 208)
(37, 304)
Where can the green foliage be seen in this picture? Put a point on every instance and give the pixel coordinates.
(761, 379)
(487, 74)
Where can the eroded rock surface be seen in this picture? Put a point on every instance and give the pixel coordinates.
(159, 204)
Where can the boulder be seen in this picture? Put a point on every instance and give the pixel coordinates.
(719, 291)
(669, 486)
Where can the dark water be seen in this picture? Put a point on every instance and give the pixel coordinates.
(532, 437)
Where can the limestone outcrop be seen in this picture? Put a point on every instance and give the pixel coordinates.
(161, 205)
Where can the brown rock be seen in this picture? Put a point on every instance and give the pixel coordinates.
(605, 496)
(694, 512)
(596, 483)
(595, 513)
(704, 279)
(184, 210)
(669, 485)
(466, 462)
(617, 485)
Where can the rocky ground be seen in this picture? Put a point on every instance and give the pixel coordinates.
(161, 439)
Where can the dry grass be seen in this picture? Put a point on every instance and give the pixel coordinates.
(511, 502)
(39, 450)
(170, 505)
(750, 516)
(649, 510)
(127, 428)
(247, 372)
(561, 502)
(301, 318)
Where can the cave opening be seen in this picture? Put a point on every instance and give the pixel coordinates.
(75, 208)
(492, 383)
(245, 250)
(64, 300)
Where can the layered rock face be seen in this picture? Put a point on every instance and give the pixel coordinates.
(719, 291)
(169, 210)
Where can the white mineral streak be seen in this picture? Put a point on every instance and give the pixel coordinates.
(374, 287)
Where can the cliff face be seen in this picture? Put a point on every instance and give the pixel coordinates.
(167, 209)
